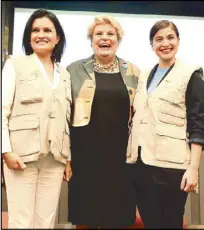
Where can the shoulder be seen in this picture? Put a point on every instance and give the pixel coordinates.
(8, 64)
(79, 63)
(136, 69)
(187, 64)
(62, 70)
(130, 66)
(144, 74)
(18, 57)
(198, 74)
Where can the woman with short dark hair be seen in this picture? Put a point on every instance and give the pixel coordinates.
(168, 132)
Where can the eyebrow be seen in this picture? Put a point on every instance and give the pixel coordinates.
(47, 27)
(159, 36)
(110, 31)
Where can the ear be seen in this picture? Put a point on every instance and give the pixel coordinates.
(58, 39)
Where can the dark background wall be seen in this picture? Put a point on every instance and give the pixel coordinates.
(174, 8)
(182, 8)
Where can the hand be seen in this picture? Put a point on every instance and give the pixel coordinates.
(67, 172)
(13, 161)
(190, 179)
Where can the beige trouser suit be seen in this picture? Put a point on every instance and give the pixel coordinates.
(39, 134)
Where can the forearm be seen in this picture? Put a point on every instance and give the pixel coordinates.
(8, 90)
(196, 151)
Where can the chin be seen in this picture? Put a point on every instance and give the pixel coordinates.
(105, 55)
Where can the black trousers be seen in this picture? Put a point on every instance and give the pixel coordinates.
(159, 199)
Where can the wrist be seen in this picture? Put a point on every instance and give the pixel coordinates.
(194, 167)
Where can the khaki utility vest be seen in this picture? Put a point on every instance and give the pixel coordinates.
(159, 122)
(38, 123)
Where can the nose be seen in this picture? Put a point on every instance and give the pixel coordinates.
(104, 36)
(165, 42)
(41, 34)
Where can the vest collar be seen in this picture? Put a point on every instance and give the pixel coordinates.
(151, 75)
(88, 65)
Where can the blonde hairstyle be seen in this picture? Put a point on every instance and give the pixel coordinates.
(102, 20)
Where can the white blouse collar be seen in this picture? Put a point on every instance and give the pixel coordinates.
(56, 73)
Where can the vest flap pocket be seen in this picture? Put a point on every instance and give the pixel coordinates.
(171, 131)
(169, 119)
(31, 98)
(23, 122)
(173, 110)
(171, 145)
(171, 114)
(174, 96)
(24, 135)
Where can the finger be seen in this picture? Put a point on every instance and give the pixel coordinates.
(192, 188)
(21, 165)
(187, 187)
(183, 182)
(67, 176)
(10, 167)
(15, 165)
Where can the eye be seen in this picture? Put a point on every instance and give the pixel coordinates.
(48, 30)
(98, 33)
(111, 33)
(35, 30)
(158, 40)
(171, 37)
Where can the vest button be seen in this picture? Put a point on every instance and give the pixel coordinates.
(130, 91)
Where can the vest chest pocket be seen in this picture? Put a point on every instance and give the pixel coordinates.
(171, 145)
(173, 94)
(30, 93)
(30, 88)
(24, 135)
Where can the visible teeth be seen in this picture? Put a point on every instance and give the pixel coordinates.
(41, 42)
(105, 46)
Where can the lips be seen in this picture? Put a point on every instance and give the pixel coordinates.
(41, 42)
(104, 45)
(165, 51)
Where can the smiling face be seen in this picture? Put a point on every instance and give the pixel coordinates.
(105, 42)
(165, 44)
(43, 36)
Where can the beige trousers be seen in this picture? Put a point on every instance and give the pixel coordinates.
(33, 194)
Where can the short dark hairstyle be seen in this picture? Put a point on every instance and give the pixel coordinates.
(161, 25)
(60, 46)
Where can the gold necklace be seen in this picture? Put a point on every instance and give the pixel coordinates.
(100, 68)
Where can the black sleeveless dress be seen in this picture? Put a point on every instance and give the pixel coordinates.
(100, 191)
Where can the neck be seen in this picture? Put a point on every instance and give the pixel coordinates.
(166, 64)
(44, 58)
(105, 60)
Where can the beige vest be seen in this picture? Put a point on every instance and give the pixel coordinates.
(159, 122)
(38, 123)
(83, 87)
